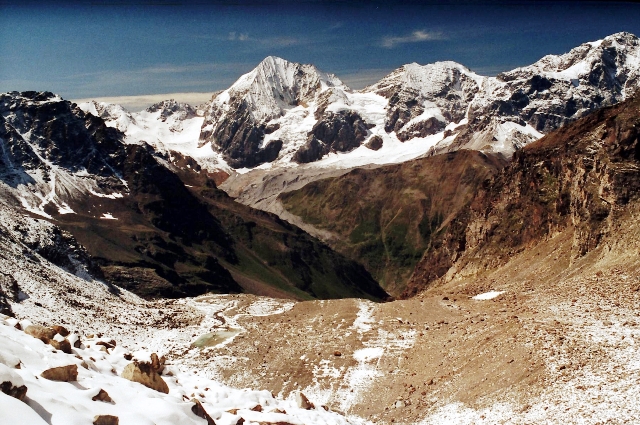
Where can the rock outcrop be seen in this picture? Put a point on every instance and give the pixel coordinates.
(578, 178)
(147, 374)
(339, 132)
(11, 383)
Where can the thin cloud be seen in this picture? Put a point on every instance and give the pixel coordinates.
(363, 78)
(138, 103)
(234, 36)
(415, 37)
(278, 41)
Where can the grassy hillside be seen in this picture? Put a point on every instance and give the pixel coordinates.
(385, 218)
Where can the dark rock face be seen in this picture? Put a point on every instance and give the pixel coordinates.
(374, 143)
(9, 389)
(422, 129)
(169, 108)
(9, 291)
(448, 88)
(339, 132)
(62, 133)
(238, 136)
(578, 177)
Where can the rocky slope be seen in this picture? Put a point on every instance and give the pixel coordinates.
(387, 217)
(75, 368)
(580, 179)
(147, 229)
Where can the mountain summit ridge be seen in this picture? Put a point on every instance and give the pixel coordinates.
(270, 113)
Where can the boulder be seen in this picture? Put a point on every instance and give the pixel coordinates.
(105, 420)
(146, 373)
(198, 410)
(16, 391)
(43, 333)
(102, 396)
(374, 143)
(63, 373)
(303, 402)
(61, 330)
(64, 345)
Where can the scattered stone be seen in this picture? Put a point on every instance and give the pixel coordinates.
(19, 392)
(61, 330)
(63, 373)
(64, 345)
(374, 143)
(43, 333)
(257, 408)
(337, 353)
(157, 363)
(102, 396)
(199, 411)
(240, 421)
(303, 402)
(106, 420)
(106, 344)
(146, 373)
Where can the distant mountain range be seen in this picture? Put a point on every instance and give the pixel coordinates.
(141, 191)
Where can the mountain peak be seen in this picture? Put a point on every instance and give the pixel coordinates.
(171, 107)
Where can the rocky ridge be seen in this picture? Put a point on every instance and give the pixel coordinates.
(580, 179)
(150, 226)
(273, 113)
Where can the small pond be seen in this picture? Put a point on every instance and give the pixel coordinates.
(215, 338)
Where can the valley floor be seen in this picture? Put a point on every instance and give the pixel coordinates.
(543, 351)
(557, 343)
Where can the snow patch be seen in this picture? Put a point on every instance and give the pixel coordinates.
(488, 295)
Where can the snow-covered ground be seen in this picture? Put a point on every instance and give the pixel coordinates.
(23, 358)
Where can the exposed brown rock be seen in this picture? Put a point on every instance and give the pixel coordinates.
(9, 389)
(198, 410)
(106, 420)
(61, 330)
(102, 396)
(64, 345)
(374, 143)
(43, 333)
(303, 402)
(63, 373)
(146, 374)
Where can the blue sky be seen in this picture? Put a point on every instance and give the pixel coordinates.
(132, 48)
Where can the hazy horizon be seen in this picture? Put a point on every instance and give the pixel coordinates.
(144, 49)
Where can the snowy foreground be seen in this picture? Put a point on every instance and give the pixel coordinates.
(23, 359)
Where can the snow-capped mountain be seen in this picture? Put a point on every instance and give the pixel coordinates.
(519, 106)
(169, 126)
(237, 119)
(282, 112)
(57, 151)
